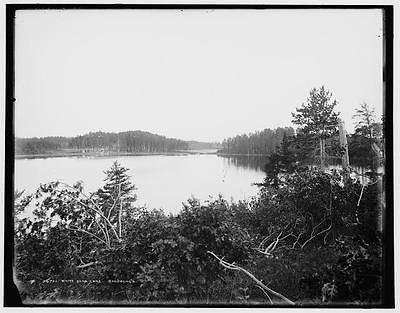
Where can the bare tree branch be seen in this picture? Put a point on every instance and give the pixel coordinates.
(104, 231)
(269, 298)
(87, 264)
(97, 210)
(359, 199)
(120, 219)
(297, 240)
(116, 199)
(86, 232)
(257, 281)
(312, 236)
(273, 245)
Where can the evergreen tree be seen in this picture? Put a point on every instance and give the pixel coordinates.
(116, 196)
(281, 161)
(366, 123)
(317, 118)
(366, 142)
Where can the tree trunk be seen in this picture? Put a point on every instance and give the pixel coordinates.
(343, 145)
(321, 152)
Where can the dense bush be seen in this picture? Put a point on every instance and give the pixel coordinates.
(310, 236)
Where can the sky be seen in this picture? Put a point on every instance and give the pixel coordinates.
(194, 74)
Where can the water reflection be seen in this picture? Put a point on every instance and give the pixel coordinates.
(162, 181)
(245, 161)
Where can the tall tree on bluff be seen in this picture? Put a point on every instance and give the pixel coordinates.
(367, 141)
(317, 118)
(366, 123)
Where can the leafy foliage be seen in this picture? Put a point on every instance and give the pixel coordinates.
(310, 234)
(300, 237)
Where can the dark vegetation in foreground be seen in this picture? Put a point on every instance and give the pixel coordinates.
(313, 238)
(309, 236)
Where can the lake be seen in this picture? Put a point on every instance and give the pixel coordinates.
(162, 181)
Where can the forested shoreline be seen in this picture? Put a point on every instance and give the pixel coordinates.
(311, 235)
(257, 143)
(130, 141)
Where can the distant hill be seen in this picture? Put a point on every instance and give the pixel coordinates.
(130, 141)
(197, 145)
(136, 141)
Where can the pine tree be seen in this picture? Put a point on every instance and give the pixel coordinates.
(366, 123)
(116, 196)
(283, 160)
(367, 136)
(317, 118)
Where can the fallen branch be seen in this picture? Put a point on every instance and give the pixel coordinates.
(257, 281)
(266, 293)
(87, 265)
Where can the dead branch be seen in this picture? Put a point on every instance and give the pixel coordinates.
(87, 265)
(89, 233)
(359, 199)
(97, 210)
(315, 227)
(104, 231)
(116, 199)
(297, 240)
(257, 281)
(312, 236)
(326, 236)
(273, 245)
(269, 298)
(120, 219)
(264, 241)
(358, 204)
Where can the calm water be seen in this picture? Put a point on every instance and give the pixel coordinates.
(162, 181)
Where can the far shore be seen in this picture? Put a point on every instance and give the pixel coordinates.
(242, 154)
(111, 154)
(106, 154)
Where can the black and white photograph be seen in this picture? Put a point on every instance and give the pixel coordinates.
(199, 155)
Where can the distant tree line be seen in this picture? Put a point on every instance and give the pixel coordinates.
(129, 141)
(197, 145)
(259, 142)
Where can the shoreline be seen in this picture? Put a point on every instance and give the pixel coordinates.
(242, 154)
(99, 154)
(117, 154)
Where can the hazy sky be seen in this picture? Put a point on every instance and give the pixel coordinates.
(193, 74)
